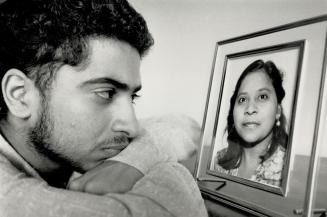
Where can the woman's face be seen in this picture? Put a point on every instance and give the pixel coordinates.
(256, 108)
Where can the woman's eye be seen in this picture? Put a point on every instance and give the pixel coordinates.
(106, 94)
(241, 100)
(263, 97)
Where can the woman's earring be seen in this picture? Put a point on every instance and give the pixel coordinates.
(278, 123)
(277, 119)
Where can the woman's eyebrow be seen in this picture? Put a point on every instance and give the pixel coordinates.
(265, 89)
(260, 90)
(241, 93)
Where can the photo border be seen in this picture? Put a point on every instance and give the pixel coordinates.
(285, 173)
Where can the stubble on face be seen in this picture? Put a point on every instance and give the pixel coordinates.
(40, 135)
(41, 139)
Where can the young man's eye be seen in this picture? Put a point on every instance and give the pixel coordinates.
(134, 97)
(106, 94)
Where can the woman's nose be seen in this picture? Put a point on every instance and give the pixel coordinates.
(251, 108)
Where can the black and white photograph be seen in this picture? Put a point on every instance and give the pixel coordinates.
(157, 108)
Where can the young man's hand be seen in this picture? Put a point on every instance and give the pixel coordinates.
(108, 177)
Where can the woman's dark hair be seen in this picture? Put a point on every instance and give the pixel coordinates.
(39, 36)
(231, 159)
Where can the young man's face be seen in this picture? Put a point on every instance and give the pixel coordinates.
(89, 114)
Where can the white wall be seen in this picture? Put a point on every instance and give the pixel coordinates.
(176, 72)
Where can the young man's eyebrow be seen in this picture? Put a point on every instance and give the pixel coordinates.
(104, 80)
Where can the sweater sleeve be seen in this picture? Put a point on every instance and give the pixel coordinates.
(163, 139)
(167, 190)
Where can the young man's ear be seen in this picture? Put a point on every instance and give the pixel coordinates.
(14, 87)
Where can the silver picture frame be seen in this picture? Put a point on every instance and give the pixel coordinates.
(299, 50)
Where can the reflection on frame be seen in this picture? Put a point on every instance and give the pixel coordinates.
(252, 141)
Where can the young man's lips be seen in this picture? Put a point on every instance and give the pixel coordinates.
(110, 152)
(116, 147)
(113, 150)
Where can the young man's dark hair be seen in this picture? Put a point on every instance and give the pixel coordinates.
(39, 36)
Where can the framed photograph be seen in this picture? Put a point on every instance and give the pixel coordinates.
(270, 174)
(262, 116)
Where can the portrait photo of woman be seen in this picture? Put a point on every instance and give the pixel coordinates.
(256, 126)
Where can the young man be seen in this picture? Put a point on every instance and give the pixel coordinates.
(69, 74)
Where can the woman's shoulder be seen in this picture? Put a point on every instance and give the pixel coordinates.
(276, 160)
(220, 169)
(270, 171)
(279, 154)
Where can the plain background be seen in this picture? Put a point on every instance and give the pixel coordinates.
(176, 72)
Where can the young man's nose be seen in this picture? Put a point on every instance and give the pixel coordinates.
(124, 118)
